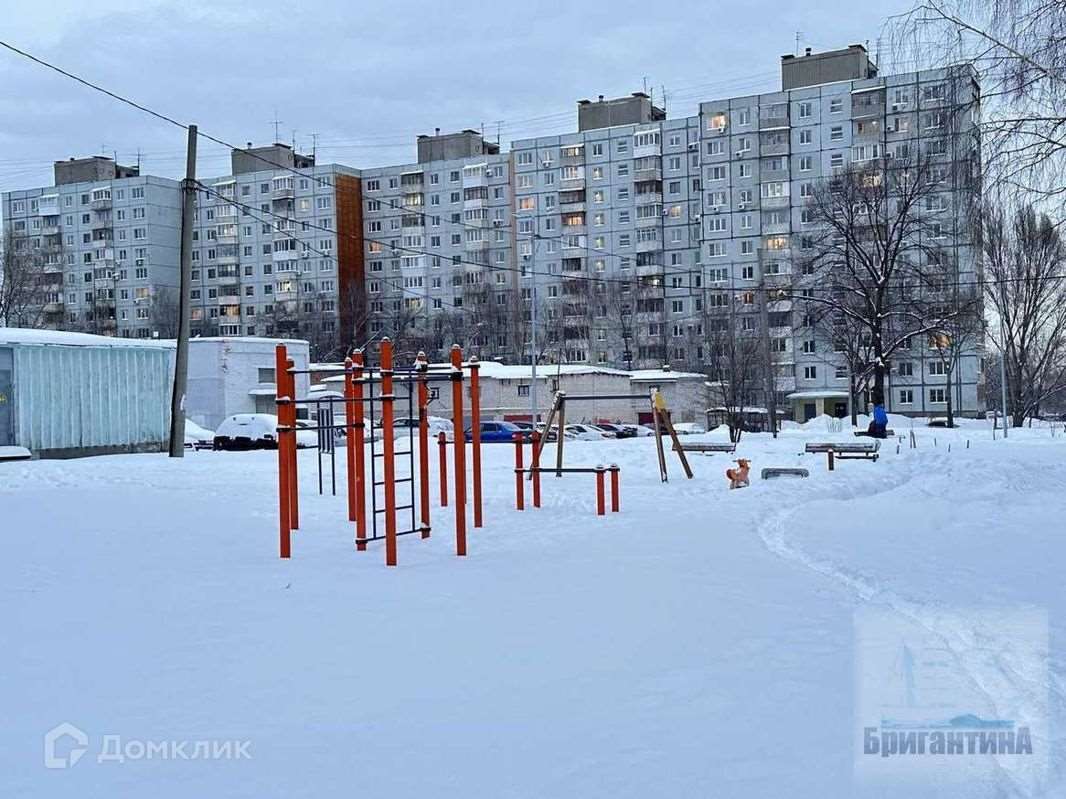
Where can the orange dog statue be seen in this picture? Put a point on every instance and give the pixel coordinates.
(738, 478)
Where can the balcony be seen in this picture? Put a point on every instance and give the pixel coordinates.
(649, 246)
(648, 173)
(227, 259)
(100, 203)
(285, 267)
(53, 307)
(100, 221)
(48, 205)
(283, 190)
(104, 257)
(286, 295)
(477, 245)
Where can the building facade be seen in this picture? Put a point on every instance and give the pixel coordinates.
(634, 242)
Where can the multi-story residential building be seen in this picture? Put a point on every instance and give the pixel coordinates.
(104, 240)
(763, 156)
(635, 241)
(439, 254)
(607, 232)
(278, 250)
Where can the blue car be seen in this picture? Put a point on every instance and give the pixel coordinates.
(499, 432)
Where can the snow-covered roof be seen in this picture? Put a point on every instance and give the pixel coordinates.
(821, 393)
(657, 375)
(288, 342)
(493, 370)
(21, 335)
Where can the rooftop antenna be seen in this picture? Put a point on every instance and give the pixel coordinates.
(138, 159)
(799, 35)
(314, 145)
(294, 139)
(663, 90)
(645, 84)
(277, 126)
(499, 125)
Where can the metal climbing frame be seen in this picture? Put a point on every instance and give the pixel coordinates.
(370, 395)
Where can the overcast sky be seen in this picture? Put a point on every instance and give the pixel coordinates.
(367, 77)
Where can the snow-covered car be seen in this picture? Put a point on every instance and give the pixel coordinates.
(584, 432)
(612, 430)
(435, 424)
(639, 430)
(197, 437)
(689, 429)
(553, 434)
(256, 431)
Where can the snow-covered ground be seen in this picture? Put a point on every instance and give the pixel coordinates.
(701, 643)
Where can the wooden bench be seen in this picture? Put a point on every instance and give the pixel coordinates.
(708, 448)
(846, 450)
(780, 471)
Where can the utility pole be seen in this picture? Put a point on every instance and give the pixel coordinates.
(181, 355)
(533, 335)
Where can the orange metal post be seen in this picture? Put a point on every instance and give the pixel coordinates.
(460, 450)
(388, 456)
(519, 482)
(285, 533)
(349, 437)
(442, 441)
(600, 504)
(616, 499)
(535, 464)
(360, 454)
(475, 437)
(423, 440)
(294, 482)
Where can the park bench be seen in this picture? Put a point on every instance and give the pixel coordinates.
(846, 450)
(780, 471)
(708, 448)
(889, 433)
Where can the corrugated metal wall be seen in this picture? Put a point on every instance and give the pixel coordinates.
(78, 400)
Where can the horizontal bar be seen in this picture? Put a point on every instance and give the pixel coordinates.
(398, 507)
(397, 480)
(569, 470)
(579, 397)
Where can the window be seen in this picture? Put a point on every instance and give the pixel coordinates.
(810, 372)
(523, 391)
(906, 396)
(836, 105)
(806, 163)
(804, 110)
(936, 368)
(836, 133)
(937, 396)
(806, 136)
(906, 368)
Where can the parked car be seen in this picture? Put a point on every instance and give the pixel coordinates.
(436, 425)
(689, 429)
(584, 432)
(639, 430)
(197, 437)
(256, 431)
(615, 430)
(524, 426)
(553, 434)
(492, 432)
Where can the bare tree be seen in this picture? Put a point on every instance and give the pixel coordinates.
(876, 259)
(849, 337)
(163, 313)
(959, 335)
(736, 366)
(1019, 49)
(1024, 256)
(23, 287)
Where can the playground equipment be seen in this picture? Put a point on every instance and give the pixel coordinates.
(373, 389)
(660, 418)
(771, 472)
(535, 470)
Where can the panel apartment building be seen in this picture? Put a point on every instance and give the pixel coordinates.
(631, 241)
(439, 249)
(646, 238)
(105, 242)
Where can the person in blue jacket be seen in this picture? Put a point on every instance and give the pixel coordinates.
(879, 424)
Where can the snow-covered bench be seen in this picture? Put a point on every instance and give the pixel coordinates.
(782, 471)
(889, 433)
(846, 450)
(708, 448)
